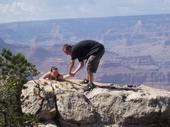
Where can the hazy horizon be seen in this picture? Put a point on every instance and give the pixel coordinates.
(39, 20)
(35, 10)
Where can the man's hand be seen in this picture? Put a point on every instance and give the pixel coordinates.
(72, 74)
(81, 64)
(67, 76)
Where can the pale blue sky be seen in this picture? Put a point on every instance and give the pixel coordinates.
(25, 10)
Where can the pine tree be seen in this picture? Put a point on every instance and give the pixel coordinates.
(15, 71)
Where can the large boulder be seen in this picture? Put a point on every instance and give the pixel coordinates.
(107, 105)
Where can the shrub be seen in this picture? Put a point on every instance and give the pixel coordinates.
(15, 71)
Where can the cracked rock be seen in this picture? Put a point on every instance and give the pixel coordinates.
(104, 106)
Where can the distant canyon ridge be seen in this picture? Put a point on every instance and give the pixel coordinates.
(137, 47)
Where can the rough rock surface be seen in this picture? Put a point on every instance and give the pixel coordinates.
(108, 105)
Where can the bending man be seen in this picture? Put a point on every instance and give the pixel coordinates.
(89, 50)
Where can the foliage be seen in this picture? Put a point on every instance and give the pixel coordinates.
(15, 71)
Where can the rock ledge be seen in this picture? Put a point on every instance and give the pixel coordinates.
(67, 105)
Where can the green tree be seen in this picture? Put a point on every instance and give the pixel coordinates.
(15, 71)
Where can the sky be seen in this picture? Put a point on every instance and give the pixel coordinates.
(26, 10)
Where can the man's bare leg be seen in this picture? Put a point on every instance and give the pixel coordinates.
(86, 79)
(90, 77)
(90, 85)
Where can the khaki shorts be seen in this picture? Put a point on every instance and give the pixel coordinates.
(93, 61)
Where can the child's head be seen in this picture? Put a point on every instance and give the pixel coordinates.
(54, 71)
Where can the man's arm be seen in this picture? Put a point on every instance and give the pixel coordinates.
(81, 64)
(70, 66)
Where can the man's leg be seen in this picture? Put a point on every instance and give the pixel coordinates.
(92, 66)
(90, 85)
(90, 76)
(86, 79)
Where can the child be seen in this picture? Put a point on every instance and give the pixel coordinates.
(53, 74)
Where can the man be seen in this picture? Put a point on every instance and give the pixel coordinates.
(53, 74)
(89, 50)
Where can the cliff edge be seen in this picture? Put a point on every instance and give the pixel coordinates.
(108, 105)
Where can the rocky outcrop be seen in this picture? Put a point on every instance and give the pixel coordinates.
(65, 104)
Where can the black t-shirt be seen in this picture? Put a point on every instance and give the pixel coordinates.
(83, 49)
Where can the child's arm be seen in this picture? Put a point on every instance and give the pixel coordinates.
(45, 76)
